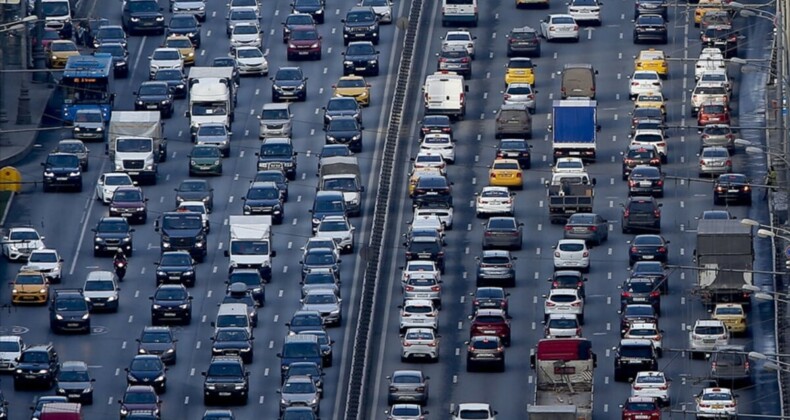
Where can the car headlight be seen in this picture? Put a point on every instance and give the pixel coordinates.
(356, 137)
(59, 317)
(180, 86)
(164, 101)
(139, 209)
(136, 19)
(170, 351)
(191, 34)
(115, 209)
(331, 138)
(283, 401)
(87, 390)
(61, 391)
(205, 199)
(184, 306)
(128, 239)
(314, 401)
(14, 291)
(300, 87)
(112, 298)
(202, 8)
(86, 316)
(49, 174)
(211, 386)
(159, 378)
(373, 61)
(161, 273)
(189, 273)
(118, 166)
(155, 306)
(74, 174)
(149, 167)
(77, 128)
(348, 63)
(160, 18)
(314, 45)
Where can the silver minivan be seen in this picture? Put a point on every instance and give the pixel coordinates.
(276, 120)
(578, 81)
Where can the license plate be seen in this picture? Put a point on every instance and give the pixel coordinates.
(303, 52)
(639, 299)
(418, 321)
(708, 341)
(647, 257)
(133, 173)
(126, 214)
(112, 248)
(30, 376)
(575, 153)
(422, 295)
(150, 106)
(224, 394)
(72, 324)
(61, 178)
(484, 356)
(732, 191)
(97, 303)
(645, 183)
(74, 395)
(174, 277)
(489, 332)
(718, 407)
(169, 314)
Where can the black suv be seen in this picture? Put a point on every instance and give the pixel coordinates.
(37, 366)
(523, 42)
(653, 7)
(642, 290)
(171, 302)
(120, 58)
(278, 153)
(265, 198)
(226, 379)
(62, 170)
(176, 267)
(639, 155)
(185, 24)
(361, 58)
(142, 16)
(361, 24)
(183, 231)
(425, 248)
(69, 312)
(341, 107)
(112, 233)
(345, 130)
(641, 213)
(155, 95)
(634, 356)
(485, 350)
(232, 341)
(314, 8)
(289, 83)
(158, 341)
(650, 28)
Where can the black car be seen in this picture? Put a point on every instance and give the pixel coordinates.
(175, 80)
(638, 156)
(147, 369)
(652, 7)
(232, 341)
(327, 203)
(289, 83)
(158, 341)
(176, 267)
(650, 27)
(361, 58)
(342, 107)
(646, 180)
(195, 190)
(185, 24)
(120, 58)
(425, 248)
(345, 130)
(274, 175)
(265, 198)
(634, 356)
(569, 279)
(305, 321)
(112, 233)
(69, 312)
(523, 42)
(62, 170)
(171, 302)
(109, 34)
(489, 298)
(648, 247)
(320, 258)
(515, 149)
(654, 270)
(278, 153)
(37, 366)
(641, 213)
(75, 383)
(724, 38)
(634, 313)
(228, 62)
(140, 401)
(432, 189)
(640, 290)
(360, 24)
(314, 8)
(436, 124)
(226, 380)
(732, 188)
(142, 16)
(238, 293)
(154, 95)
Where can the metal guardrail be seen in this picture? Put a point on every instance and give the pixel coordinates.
(355, 394)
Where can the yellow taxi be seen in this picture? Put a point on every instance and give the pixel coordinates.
(651, 100)
(506, 173)
(732, 315)
(414, 177)
(654, 60)
(520, 70)
(58, 52)
(184, 46)
(353, 87)
(29, 286)
(706, 6)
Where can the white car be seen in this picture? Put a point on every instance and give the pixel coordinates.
(716, 403)
(11, 347)
(339, 229)
(571, 253)
(243, 4)
(470, 411)
(418, 313)
(101, 291)
(559, 27)
(48, 262)
(647, 331)
(563, 301)
(430, 160)
(326, 302)
(382, 9)
(709, 63)
(651, 138)
(423, 285)
(196, 207)
(20, 242)
(644, 81)
(706, 334)
(651, 384)
(441, 144)
(420, 267)
(444, 213)
(427, 221)
(165, 58)
(717, 77)
(110, 182)
(405, 412)
(246, 34)
(562, 325)
(570, 165)
(461, 38)
(494, 201)
(520, 93)
(251, 61)
(585, 11)
(419, 343)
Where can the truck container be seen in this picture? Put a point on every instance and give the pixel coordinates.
(137, 124)
(212, 97)
(564, 368)
(724, 257)
(574, 128)
(250, 244)
(341, 173)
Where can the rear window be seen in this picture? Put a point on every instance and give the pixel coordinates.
(640, 406)
(572, 247)
(496, 260)
(640, 352)
(563, 298)
(709, 330)
(641, 207)
(730, 359)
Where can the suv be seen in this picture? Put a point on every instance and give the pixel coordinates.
(634, 356)
(276, 121)
(185, 24)
(158, 341)
(129, 202)
(69, 311)
(639, 155)
(278, 153)
(706, 335)
(513, 120)
(171, 302)
(340, 107)
(650, 27)
(299, 348)
(111, 234)
(641, 213)
(62, 170)
(425, 248)
(176, 267)
(361, 24)
(491, 322)
(226, 379)
(523, 42)
(155, 95)
(142, 16)
(289, 83)
(729, 366)
(485, 350)
(496, 266)
(37, 365)
(361, 58)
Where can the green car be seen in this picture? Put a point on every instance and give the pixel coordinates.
(205, 160)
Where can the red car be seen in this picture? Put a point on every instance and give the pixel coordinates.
(491, 322)
(641, 408)
(713, 113)
(304, 42)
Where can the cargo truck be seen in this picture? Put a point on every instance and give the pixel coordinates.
(212, 97)
(341, 173)
(250, 244)
(724, 256)
(564, 369)
(574, 129)
(138, 124)
(569, 193)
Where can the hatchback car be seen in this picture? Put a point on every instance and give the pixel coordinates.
(521, 93)
(408, 386)
(158, 341)
(641, 213)
(648, 247)
(641, 408)
(353, 87)
(147, 369)
(523, 41)
(562, 325)
(418, 313)
(75, 382)
(129, 202)
(251, 61)
(589, 227)
(502, 232)
(713, 113)
(491, 322)
(496, 266)
(420, 343)
(572, 253)
(563, 301)
(569, 279)
(485, 351)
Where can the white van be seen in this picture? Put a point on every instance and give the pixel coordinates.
(445, 94)
(233, 315)
(56, 13)
(459, 12)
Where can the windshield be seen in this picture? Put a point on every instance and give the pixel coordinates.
(640, 352)
(288, 74)
(340, 184)
(342, 104)
(45, 257)
(357, 17)
(263, 194)
(111, 33)
(182, 22)
(153, 89)
(274, 114)
(171, 294)
(501, 224)
(346, 83)
(249, 248)
(179, 43)
(29, 279)
(327, 206)
(304, 35)
(292, 387)
(62, 46)
(232, 321)
(133, 145)
(206, 151)
(63, 161)
(9, 347)
(176, 259)
(276, 150)
(339, 226)
(112, 226)
(182, 222)
(305, 320)
(249, 53)
(71, 147)
(88, 117)
(474, 415)
(319, 278)
(70, 304)
(72, 376)
(245, 30)
(127, 196)
(344, 124)
(166, 55)
(360, 49)
(241, 15)
(316, 298)
(139, 398)
(709, 330)
(300, 19)
(211, 130)
(55, 9)
(295, 350)
(231, 335)
(209, 108)
(193, 186)
(248, 278)
(143, 6)
(319, 258)
(34, 357)
(99, 286)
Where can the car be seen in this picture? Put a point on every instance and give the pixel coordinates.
(716, 215)
(327, 203)
(195, 190)
(278, 153)
(589, 227)
(383, 9)
(74, 382)
(339, 229)
(37, 366)
(176, 267)
(506, 173)
(441, 144)
(564, 301)
(419, 343)
(277, 176)
(120, 58)
(408, 386)
(311, 369)
(651, 138)
(251, 61)
(324, 342)
(326, 303)
(241, 14)
(647, 331)
(640, 114)
(455, 58)
(559, 26)
(646, 180)
(158, 341)
(30, 286)
(584, 11)
(650, 27)
(165, 58)
(304, 42)
(353, 87)
(633, 356)
(705, 335)
(230, 341)
(715, 77)
(139, 398)
(19, 242)
(176, 82)
(562, 326)
(709, 62)
(196, 8)
(340, 107)
(246, 34)
(314, 8)
(462, 38)
(214, 134)
(289, 83)
(109, 34)
(296, 20)
(74, 147)
(520, 70)
(648, 247)
(299, 391)
(569, 279)
(721, 18)
(111, 234)
(226, 380)
(360, 58)
(641, 213)
(732, 187)
(420, 267)
(641, 408)
(640, 155)
(644, 81)
(496, 266)
(361, 24)
(185, 24)
(89, 124)
(228, 62)
(520, 93)
(652, 384)
(11, 347)
(652, 60)
(708, 92)
(718, 135)
(723, 37)
(485, 351)
(652, 99)
(48, 262)
(320, 258)
(183, 44)
(305, 320)
(523, 41)
(491, 322)
(205, 160)
(59, 51)
(572, 253)
(713, 113)
(239, 293)
(129, 202)
(502, 232)
(264, 197)
(733, 315)
(716, 403)
(515, 148)
(101, 291)
(62, 170)
(418, 313)
(730, 366)
(468, 411)
(423, 285)
(147, 369)
(439, 124)
(169, 303)
(155, 95)
(494, 201)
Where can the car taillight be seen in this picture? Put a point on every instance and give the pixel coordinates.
(551, 28)
(440, 254)
(637, 388)
(626, 213)
(705, 136)
(576, 304)
(507, 96)
(586, 254)
(655, 294)
(393, 389)
(625, 294)
(634, 249)
(579, 332)
(550, 304)
(655, 161)
(408, 255)
(471, 349)
(435, 288)
(493, 174)
(432, 344)
(556, 254)
(409, 288)
(518, 175)
(657, 213)
(660, 182)
(634, 83)
(629, 161)
(461, 97)
(663, 387)
(465, 60)
(701, 162)
(729, 163)
(576, 28)
(662, 249)
(406, 344)
(632, 183)
(746, 365)
(713, 365)
(531, 96)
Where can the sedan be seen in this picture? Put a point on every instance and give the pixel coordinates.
(644, 81)
(646, 180)
(154, 95)
(441, 144)
(353, 87)
(716, 403)
(149, 370)
(732, 187)
(251, 61)
(559, 27)
(455, 58)
(238, 15)
(175, 80)
(641, 408)
(652, 384)
(572, 253)
(325, 302)
(502, 232)
(714, 160)
(718, 135)
(650, 27)
(494, 201)
(165, 58)
(506, 173)
(587, 226)
(436, 124)
(517, 149)
(648, 247)
(489, 298)
(420, 343)
(585, 11)
(245, 35)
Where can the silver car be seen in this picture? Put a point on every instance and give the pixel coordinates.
(215, 134)
(275, 120)
(89, 125)
(238, 15)
(326, 303)
(405, 412)
(496, 267)
(299, 391)
(714, 160)
(320, 279)
(423, 285)
(408, 386)
(196, 8)
(502, 232)
(718, 135)
(521, 93)
(74, 147)
(588, 226)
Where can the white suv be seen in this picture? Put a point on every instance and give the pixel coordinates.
(563, 301)
(562, 325)
(418, 313)
(706, 334)
(11, 347)
(644, 81)
(652, 384)
(420, 342)
(339, 229)
(572, 253)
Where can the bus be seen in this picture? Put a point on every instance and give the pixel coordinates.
(86, 84)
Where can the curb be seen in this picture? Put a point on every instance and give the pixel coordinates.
(20, 155)
(7, 208)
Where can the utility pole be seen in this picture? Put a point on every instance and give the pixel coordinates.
(3, 85)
